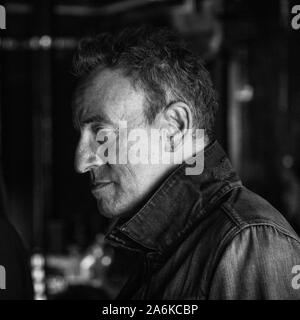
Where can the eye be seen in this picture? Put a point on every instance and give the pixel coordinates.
(102, 135)
(96, 127)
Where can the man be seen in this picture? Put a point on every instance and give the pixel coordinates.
(183, 234)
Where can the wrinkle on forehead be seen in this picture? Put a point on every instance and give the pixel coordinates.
(110, 94)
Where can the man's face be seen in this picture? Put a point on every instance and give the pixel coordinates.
(101, 102)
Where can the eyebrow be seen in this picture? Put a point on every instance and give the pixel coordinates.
(79, 119)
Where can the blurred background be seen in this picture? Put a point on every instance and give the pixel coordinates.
(252, 52)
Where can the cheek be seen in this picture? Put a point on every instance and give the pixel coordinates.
(127, 176)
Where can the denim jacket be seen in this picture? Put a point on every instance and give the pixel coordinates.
(207, 237)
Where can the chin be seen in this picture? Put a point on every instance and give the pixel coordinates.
(108, 211)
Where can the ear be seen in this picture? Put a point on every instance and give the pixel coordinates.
(177, 120)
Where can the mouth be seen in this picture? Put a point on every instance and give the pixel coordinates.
(100, 185)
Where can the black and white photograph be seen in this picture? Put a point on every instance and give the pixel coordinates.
(149, 152)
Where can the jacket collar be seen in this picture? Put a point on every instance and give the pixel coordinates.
(177, 204)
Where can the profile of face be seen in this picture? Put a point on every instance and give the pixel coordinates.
(102, 101)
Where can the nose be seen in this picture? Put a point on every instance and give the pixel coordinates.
(86, 157)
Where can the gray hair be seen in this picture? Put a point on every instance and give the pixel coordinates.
(157, 61)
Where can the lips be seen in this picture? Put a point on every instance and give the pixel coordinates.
(99, 185)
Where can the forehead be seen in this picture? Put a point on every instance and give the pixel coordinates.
(107, 96)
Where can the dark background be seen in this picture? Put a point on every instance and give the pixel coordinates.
(248, 45)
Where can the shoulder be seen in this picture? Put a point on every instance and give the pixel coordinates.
(258, 262)
(252, 226)
(239, 216)
(245, 208)
(255, 246)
